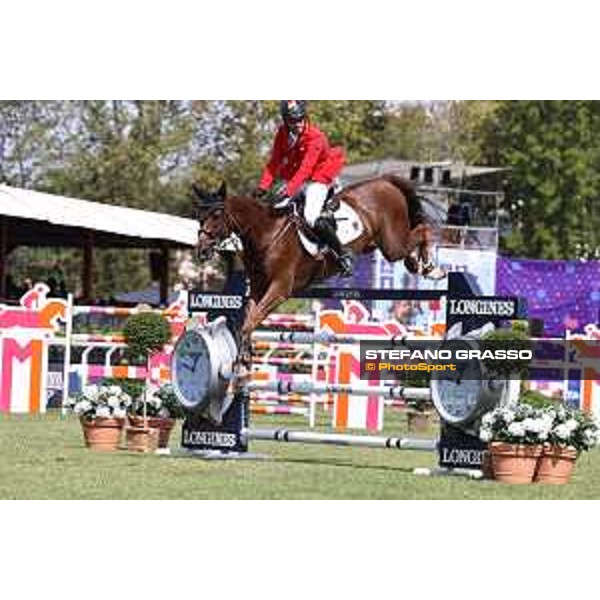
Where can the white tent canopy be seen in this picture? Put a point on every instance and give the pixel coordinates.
(94, 216)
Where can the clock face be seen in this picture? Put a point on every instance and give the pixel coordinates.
(457, 394)
(459, 397)
(192, 369)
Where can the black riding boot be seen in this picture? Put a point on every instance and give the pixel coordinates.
(325, 229)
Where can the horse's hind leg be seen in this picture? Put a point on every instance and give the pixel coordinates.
(412, 265)
(423, 263)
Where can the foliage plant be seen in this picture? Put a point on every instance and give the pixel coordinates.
(146, 333)
(537, 399)
(507, 339)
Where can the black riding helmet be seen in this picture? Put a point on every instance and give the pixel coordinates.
(293, 110)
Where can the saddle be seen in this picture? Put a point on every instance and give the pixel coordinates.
(295, 212)
(344, 220)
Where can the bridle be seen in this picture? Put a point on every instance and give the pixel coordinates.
(212, 236)
(229, 225)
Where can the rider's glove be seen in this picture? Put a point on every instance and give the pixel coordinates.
(280, 193)
(280, 196)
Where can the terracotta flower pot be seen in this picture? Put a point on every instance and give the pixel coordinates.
(514, 463)
(418, 421)
(486, 465)
(102, 434)
(142, 439)
(164, 426)
(556, 465)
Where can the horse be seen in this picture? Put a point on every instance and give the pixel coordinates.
(390, 217)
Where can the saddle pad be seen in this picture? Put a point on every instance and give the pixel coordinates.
(349, 229)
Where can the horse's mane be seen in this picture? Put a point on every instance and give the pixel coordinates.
(253, 216)
(247, 204)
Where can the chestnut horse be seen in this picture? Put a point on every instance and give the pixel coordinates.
(277, 264)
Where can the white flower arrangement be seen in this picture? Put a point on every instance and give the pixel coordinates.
(100, 402)
(575, 429)
(521, 424)
(162, 403)
(524, 424)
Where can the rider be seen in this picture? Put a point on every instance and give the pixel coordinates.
(304, 160)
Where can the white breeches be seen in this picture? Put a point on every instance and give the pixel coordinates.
(316, 195)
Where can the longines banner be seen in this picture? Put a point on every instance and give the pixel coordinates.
(215, 304)
(503, 308)
(475, 312)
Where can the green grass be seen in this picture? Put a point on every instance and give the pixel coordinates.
(44, 457)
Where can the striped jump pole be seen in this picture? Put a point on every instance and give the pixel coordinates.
(293, 387)
(299, 321)
(341, 439)
(97, 338)
(116, 311)
(321, 337)
(295, 347)
(278, 410)
(291, 361)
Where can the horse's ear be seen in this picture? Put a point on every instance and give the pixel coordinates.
(199, 192)
(222, 193)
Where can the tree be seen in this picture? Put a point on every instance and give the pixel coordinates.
(357, 125)
(436, 131)
(234, 138)
(27, 140)
(125, 153)
(553, 150)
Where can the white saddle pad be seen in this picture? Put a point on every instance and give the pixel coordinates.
(349, 229)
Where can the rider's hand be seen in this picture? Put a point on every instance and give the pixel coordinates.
(280, 194)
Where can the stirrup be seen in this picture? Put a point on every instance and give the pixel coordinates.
(282, 204)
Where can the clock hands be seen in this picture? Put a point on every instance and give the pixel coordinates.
(198, 356)
(195, 357)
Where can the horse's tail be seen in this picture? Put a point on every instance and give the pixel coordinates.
(416, 213)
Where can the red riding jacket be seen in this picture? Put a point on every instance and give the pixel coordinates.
(310, 158)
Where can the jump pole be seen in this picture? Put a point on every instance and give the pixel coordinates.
(341, 439)
(365, 441)
(294, 387)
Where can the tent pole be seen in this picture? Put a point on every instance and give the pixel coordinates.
(3, 254)
(164, 276)
(88, 267)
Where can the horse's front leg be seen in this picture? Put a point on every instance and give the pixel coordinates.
(276, 294)
(245, 354)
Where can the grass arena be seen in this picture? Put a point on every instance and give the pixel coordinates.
(43, 457)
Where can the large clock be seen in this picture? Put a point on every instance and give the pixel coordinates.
(202, 364)
(464, 395)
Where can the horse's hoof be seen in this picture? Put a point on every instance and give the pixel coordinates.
(435, 274)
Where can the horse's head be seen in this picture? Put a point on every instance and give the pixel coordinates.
(211, 215)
